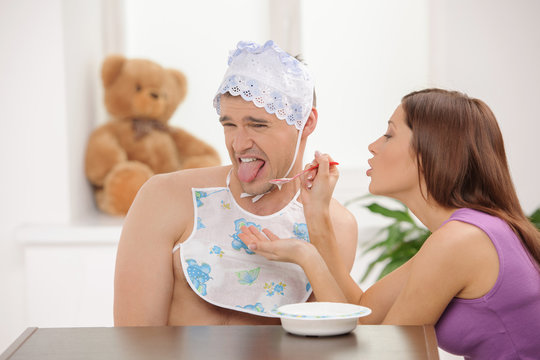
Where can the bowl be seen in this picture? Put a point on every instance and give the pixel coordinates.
(320, 318)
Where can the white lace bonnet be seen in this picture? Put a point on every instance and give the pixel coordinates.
(270, 78)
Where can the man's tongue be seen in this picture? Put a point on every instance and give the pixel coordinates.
(247, 171)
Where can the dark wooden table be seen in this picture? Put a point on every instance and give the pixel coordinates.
(222, 342)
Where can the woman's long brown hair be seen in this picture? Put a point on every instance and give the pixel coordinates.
(460, 152)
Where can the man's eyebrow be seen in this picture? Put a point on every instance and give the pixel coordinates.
(224, 118)
(255, 120)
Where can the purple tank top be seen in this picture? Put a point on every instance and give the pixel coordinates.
(504, 323)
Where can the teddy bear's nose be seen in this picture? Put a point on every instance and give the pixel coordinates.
(154, 95)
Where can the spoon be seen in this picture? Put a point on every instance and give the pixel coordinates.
(282, 181)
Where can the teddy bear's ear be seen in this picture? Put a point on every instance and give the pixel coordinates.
(181, 81)
(112, 66)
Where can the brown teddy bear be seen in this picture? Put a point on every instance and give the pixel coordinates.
(136, 143)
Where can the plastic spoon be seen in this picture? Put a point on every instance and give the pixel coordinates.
(282, 181)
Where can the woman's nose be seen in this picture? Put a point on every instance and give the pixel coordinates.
(371, 147)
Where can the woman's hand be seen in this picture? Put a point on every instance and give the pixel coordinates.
(273, 248)
(318, 184)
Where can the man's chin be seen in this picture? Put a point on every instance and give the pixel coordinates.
(256, 189)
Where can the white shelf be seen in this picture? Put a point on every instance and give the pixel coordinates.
(97, 229)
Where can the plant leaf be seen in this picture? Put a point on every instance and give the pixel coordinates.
(535, 218)
(356, 199)
(368, 270)
(391, 266)
(399, 241)
(399, 215)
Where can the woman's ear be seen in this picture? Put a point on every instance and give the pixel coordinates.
(311, 123)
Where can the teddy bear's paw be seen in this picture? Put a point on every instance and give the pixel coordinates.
(121, 185)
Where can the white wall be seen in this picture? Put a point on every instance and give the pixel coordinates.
(356, 49)
(365, 56)
(359, 51)
(51, 52)
(491, 50)
(195, 39)
(32, 139)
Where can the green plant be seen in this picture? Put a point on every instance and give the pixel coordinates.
(397, 242)
(535, 218)
(400, 240)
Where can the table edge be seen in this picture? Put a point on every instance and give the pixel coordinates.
(432, 348)
(21, 339)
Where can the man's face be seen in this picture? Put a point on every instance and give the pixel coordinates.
(261, 146)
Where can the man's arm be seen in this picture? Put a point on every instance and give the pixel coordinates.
(144, 277)
(346, 230)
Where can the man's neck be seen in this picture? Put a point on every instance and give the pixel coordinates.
(270, 203)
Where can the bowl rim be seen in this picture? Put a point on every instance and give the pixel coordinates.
(360, 311)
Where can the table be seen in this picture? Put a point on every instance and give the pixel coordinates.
(222, 342)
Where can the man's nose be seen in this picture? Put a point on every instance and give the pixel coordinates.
(242, 141)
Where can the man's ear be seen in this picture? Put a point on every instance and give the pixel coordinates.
(311, 123)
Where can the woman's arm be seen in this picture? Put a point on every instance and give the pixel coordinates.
(323, 238)
(328, 286)
(458, 260)
(334, 271)
(317, 189)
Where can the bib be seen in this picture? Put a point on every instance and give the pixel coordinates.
(223, 271)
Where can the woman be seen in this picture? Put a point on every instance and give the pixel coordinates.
(477, 277)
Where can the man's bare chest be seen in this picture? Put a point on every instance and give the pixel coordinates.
(188, 308)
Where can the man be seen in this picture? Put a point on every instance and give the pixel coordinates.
(180, 260)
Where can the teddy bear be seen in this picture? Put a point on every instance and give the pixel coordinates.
(136, 142)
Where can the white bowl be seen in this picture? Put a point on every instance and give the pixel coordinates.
(320, 318)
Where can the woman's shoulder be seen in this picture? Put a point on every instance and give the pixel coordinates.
(462, 254)
(456, 243)
(464, 245)
(467, 226)
(477, 218)
(457, 236)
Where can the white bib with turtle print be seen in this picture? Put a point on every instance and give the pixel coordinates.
(222, 270)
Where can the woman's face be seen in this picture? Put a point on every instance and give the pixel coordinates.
(393, 167)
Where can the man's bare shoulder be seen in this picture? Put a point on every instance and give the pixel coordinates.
(346, 231)
(191, 178)
(176, 186)
(164, 201)
(342, 217)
